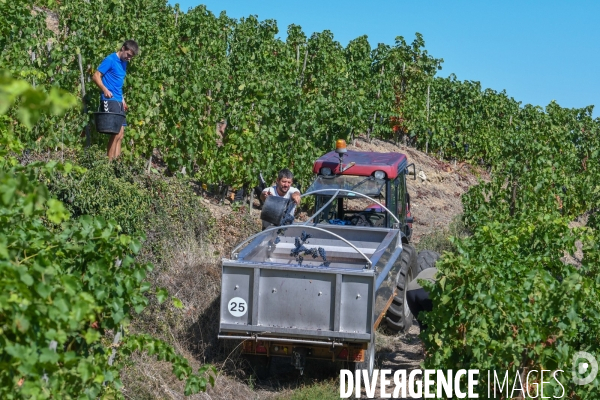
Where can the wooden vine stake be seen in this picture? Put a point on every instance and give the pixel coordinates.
(88, 138)
(427, 140)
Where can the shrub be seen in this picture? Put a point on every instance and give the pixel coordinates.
(66, 287)
(105, 189)
(505, 300)
(441, 240)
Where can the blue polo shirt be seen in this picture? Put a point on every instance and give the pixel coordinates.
(113, 72)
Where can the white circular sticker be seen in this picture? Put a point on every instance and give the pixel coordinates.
(580, 369)
(237, 307)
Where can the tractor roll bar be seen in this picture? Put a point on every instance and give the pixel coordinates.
(337, 191)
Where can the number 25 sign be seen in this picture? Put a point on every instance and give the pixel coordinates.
(237, 307)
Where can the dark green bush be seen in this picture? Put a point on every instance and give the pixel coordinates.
(122, 191)
(106, 189)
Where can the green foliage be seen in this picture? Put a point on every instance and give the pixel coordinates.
(284, 101)
(442, 240)
(107, 189)
(56, 285)
(507, 300)
(64, 285)
(32, 103)
(122, 191)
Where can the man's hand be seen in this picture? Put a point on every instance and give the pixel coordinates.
(97, 79)
(296, 198)
(264, 194)
(125, 107)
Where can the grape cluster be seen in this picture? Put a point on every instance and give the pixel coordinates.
(287, 219)
(288, 216)
(324, 257)
(300, 250)
(311, 252)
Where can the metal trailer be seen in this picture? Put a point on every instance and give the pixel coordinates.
(281, 308)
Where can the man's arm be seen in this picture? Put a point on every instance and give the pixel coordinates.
(264, 194)
(125, 107)
(296, 197)
(97, 79)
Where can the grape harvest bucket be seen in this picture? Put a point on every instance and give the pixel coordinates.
(274, 209)
(109, 123)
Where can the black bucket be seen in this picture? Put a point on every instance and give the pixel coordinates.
(274, 209)
(109, 123)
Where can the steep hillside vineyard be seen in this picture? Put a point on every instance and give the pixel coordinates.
(505, 301)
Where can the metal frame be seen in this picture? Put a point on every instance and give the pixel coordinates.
(345, 191)
(302, 334)
(282, 340)
(234, 251)
(322, 208)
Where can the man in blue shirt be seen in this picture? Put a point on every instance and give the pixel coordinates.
(109, 78)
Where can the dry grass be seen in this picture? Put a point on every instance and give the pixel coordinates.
(439, 240)
(188, 266)
(149, 379)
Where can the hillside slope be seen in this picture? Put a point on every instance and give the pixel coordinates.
(435, 200)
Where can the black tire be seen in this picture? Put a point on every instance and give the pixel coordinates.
(398, 316)
(426, 259)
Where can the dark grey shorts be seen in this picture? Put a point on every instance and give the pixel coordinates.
(112, 106)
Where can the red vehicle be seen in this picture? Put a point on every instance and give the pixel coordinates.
(378, 175)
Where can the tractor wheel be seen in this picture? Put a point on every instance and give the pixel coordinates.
(426, 259)
(398, 316)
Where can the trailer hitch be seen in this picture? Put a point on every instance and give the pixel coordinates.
(299, 358)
